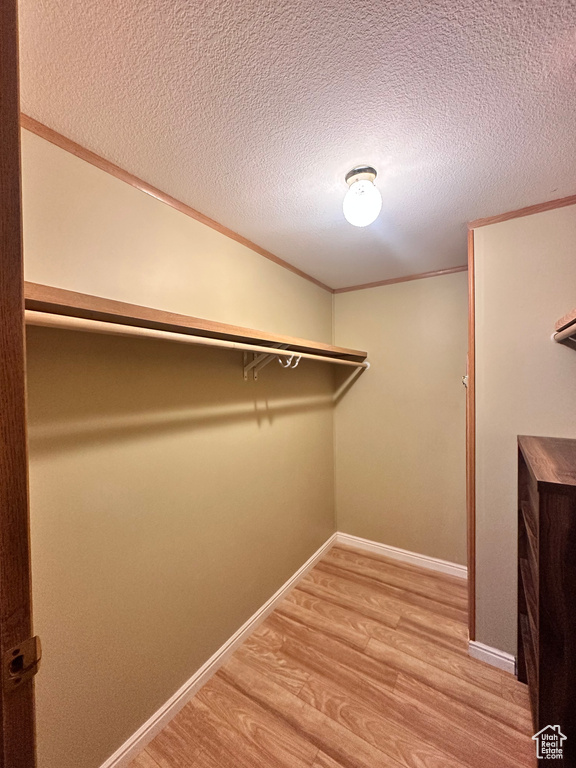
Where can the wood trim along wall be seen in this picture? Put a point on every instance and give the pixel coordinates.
(405, 279)
(471, 443)
(560, 202)
(105, 165)
(17, 748)
(38, 128)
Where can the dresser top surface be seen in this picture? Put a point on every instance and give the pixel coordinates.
(551, 459)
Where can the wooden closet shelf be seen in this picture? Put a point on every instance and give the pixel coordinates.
(565, 328)
(565, 321)
(45, 298)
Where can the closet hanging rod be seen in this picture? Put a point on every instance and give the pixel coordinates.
(68, 322)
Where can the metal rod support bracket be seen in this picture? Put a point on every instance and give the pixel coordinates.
(259, 361)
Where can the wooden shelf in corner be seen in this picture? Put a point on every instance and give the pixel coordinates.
(565, 330)
(565, 321)
(45, 298)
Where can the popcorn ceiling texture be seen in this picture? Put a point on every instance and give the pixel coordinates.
(253, 111)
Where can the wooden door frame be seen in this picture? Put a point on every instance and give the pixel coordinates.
(471, 443)
(17, 743)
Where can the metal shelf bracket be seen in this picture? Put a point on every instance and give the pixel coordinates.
(259, 361)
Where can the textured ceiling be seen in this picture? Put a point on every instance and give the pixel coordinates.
(253, 111)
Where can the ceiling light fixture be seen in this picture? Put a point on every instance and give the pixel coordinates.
(363, 201)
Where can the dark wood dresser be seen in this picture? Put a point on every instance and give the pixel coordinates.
(547, 583)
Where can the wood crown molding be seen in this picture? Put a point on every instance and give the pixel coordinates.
(38, 128)
(560, 202)
(405, 279)
(34, 126)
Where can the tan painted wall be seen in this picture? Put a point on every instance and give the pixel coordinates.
(400, 431)
(169, 498)
(525, 280)
(88, 231)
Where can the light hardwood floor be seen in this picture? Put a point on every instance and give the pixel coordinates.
(363, 665)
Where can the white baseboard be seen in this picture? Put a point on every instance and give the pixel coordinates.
(138, 741)
(403, 555)
(492, 656)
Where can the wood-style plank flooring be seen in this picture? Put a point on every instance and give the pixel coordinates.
(363, 665)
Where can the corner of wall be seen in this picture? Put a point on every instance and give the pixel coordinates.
(334, 483)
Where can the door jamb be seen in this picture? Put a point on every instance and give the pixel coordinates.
(471, 443)
(17, 743)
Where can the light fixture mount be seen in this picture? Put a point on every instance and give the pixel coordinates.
(359, 173)
(362, 202)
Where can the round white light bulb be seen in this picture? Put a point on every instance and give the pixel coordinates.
(362, 203)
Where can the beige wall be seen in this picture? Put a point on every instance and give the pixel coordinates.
(88, 231)
(169, 498)
(525, 280)
(400, 431)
